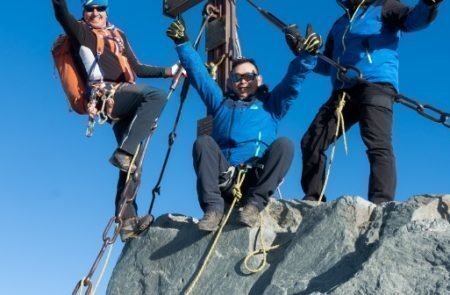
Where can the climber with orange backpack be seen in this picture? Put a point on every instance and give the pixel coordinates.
(97, 68)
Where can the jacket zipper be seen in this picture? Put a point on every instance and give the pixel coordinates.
(369, 57)
(350, 23)
(351, 18)
(229, 129)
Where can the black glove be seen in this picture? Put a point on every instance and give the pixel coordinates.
(293, 39)
(313, 41)
(432, 2)
(311, 44)
(177, 31)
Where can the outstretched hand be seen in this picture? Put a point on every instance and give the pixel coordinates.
(313, 41)
(293, 39)
(311, 44)
(177, 31)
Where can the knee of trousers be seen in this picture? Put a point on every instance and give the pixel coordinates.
(203, 142)
(305, 144)
(284, 145)
(386, 152)
(309, 150)
(154, 94)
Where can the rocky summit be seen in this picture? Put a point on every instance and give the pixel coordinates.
(348, 246)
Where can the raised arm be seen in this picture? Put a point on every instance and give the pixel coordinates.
(70, 25)
(282, 96)
(288, 89)
(409, 19)
(198, 75)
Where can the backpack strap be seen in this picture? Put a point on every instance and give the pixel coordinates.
(123, 60)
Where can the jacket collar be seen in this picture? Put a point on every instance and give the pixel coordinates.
(349, 9)
(260, 94)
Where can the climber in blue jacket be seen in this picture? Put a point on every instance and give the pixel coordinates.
(366, 37)
(246, 118)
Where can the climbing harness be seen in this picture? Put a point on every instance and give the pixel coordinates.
(102, 95)
(432, 113)
(208, 13)
(108, 241)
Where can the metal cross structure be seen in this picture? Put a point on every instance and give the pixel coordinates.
(222, 44)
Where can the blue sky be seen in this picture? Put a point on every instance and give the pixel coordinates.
(58, 187)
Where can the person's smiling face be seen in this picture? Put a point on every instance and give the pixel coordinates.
(245, 80)
(95, 16)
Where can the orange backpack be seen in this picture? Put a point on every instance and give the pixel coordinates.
(72, 82)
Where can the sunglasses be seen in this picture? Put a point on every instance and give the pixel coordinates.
(92, 8)
(246, 76)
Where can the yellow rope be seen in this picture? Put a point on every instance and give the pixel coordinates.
(132, 162)
(237, 193)
(262, 251)
(339, 126)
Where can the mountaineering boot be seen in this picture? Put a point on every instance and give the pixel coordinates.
(210, 221)
(122, 160)
(314, 198)
(249, 215)
(134, 226)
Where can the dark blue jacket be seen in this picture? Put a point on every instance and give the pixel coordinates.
(368, 38)
(244, 129)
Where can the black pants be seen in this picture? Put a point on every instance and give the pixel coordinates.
(259, 184)
(370, 108)
(137, 106)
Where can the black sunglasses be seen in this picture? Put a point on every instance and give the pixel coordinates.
(98, 8)
(246, 76)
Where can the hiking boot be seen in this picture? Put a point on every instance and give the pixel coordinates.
(132, 227)
(314, 198)
(122, 160)
(249, 215)
(210, 221)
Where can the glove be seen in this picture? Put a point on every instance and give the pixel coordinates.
(432, 2)
(311, 44)
(313, 41)
(175, 68)
(177, 31)
(293, 39)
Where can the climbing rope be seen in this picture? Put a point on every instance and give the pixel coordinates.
(263, 250)
(340, 126)
(237, 194)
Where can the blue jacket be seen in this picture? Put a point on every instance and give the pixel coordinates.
(368, 38)
(244, 129)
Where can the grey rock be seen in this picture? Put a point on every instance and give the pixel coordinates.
(348, 246)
